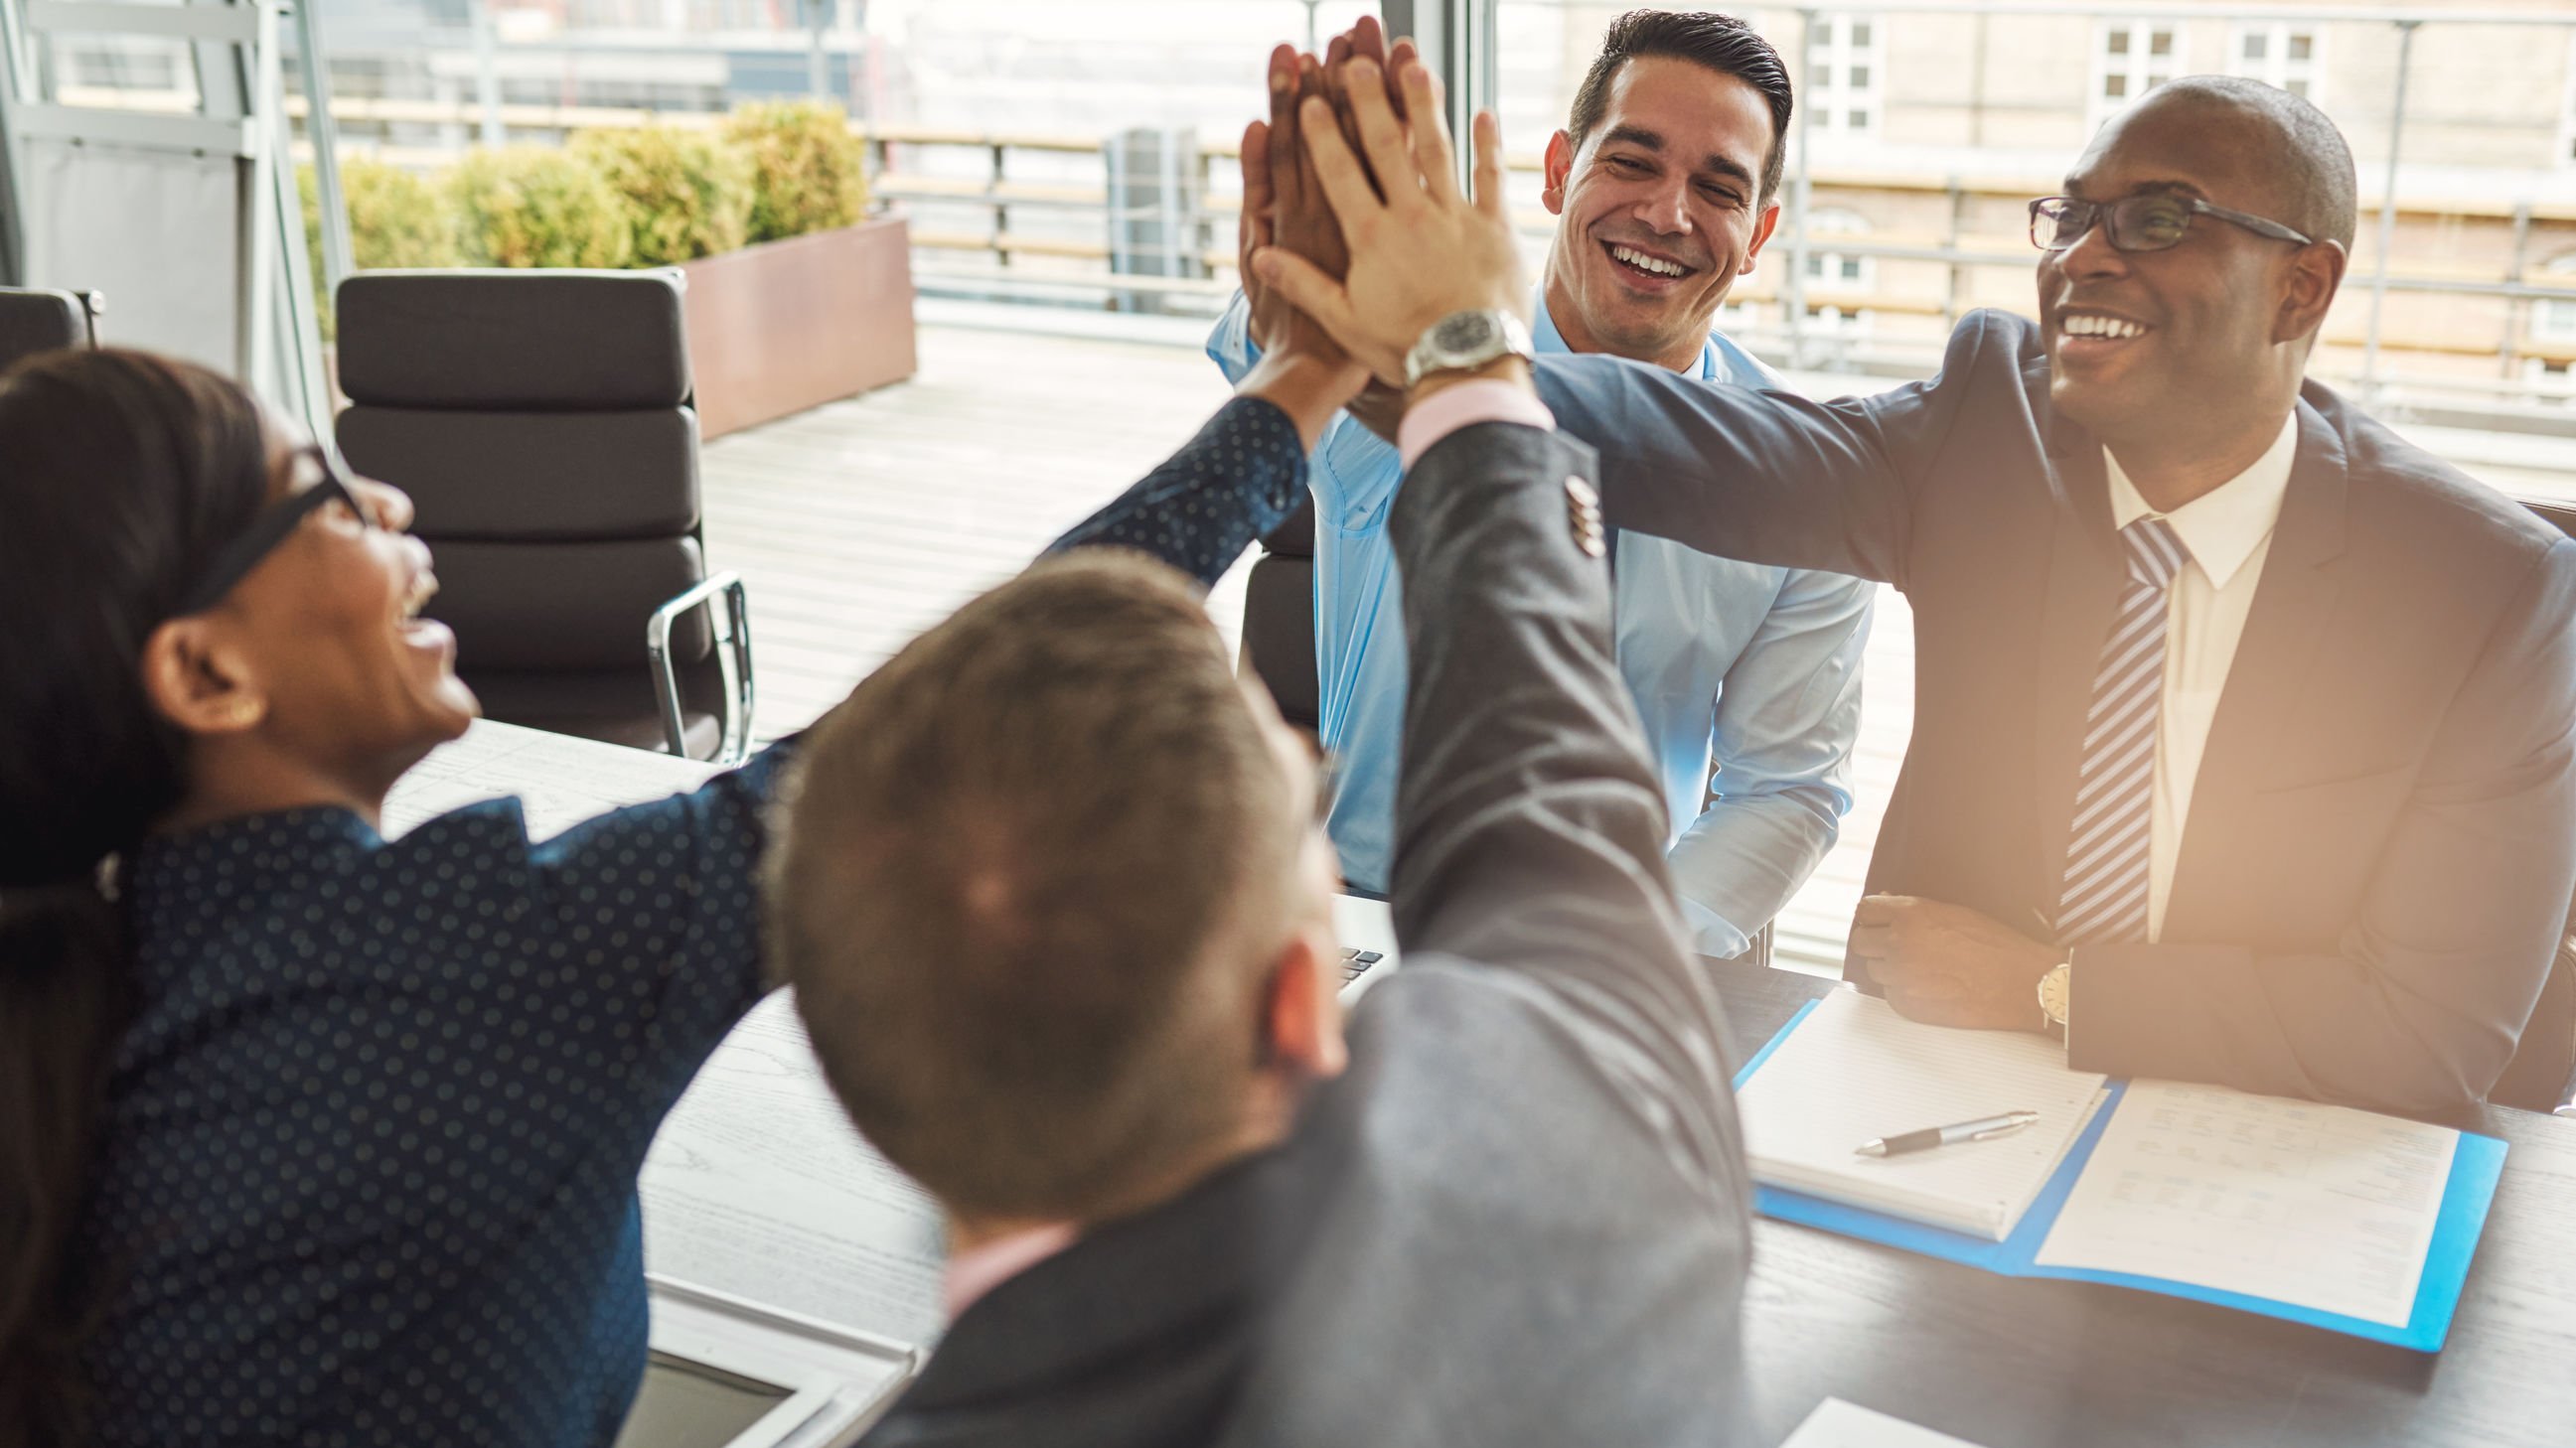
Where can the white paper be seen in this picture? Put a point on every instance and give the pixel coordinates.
(559, 780)
(759, 1187)
(1838, 1424)
(1855, 1071)
(2324, 1207)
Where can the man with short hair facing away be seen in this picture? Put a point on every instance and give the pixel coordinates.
(1666, 181)
(1057, 908)
(2242, 747)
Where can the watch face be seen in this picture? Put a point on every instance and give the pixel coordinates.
(1464, 332)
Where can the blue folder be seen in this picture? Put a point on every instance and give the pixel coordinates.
(2474, 1169)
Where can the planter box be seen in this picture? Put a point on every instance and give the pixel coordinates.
(787, 325)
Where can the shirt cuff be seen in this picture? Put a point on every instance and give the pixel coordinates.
(1481, 399)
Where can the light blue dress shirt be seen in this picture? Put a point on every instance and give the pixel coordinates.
(1743, 670)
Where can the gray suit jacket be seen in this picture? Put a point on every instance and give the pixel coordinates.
(1521, 1216)
(2382, 837)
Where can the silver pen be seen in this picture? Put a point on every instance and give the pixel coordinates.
(1984, 1128)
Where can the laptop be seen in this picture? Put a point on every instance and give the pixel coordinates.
(1366, 929)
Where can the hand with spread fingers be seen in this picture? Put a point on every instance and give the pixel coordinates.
(1420, 251)
(1949, 965)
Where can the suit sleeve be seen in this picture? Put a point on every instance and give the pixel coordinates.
(2421, 1007)
(1529, 823)
(1762, 475)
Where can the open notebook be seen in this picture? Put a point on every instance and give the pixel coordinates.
(2355, 1222)
(1855, 1070)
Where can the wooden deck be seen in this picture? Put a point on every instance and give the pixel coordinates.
(861, 523)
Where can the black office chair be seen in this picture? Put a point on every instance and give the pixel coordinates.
(1279, 619)
(45, 321)
(542, 422)
(2542, 1074)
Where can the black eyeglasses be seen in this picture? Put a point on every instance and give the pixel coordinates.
(271, 528)
(2149, 222)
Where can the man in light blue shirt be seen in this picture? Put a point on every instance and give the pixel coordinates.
(1664, 182)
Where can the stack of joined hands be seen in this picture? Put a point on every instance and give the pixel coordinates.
(1355, 235)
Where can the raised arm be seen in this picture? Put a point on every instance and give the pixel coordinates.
(1765, 475)
(1529, 823)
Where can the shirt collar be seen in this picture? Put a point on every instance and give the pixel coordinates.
(2222, 527)
(1546, 340)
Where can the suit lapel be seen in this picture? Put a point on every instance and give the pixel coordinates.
(2085, 571)
(2283, 633)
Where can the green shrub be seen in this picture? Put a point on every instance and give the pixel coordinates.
(808, 173)
(538, 206)
(685, 192)
(396, 219)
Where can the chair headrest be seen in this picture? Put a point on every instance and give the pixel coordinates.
(506, 339)
(40, 321)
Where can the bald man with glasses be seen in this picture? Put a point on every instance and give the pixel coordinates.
(2242, 729)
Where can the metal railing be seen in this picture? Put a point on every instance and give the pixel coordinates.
(1779, 310)
(988, 227)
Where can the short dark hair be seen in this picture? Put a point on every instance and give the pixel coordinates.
(2311, 166)
(1703, 37)
(1009, 873)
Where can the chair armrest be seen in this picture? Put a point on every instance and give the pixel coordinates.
(733, 657)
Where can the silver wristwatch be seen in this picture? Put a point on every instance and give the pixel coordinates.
(1465, 341)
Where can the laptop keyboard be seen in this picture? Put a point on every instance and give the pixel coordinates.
(1355, 963)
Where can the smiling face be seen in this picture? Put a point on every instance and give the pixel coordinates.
(1661, 210)
(326, 629)
(2211, 334)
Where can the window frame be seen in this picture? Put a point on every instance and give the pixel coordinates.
(1832, 55)
(2135, 65)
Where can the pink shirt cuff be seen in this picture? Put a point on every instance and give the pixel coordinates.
(971, 1274)
(1482, 399)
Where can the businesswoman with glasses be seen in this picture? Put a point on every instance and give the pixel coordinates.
(306, 1136)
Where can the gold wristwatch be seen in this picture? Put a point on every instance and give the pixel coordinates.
(2053, 992)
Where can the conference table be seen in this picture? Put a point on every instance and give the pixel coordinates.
(2001, 1362)
(2016, 1362)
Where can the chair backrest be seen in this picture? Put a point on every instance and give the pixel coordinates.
(2542, 1074)
(43, 321)
(542, 423)
(1279, 619)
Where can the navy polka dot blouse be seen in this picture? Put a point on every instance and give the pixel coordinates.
(371, 1145)
(1239, 478)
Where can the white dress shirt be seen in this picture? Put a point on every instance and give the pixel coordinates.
(2227, 531)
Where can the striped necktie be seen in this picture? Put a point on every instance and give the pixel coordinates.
(2105, 891)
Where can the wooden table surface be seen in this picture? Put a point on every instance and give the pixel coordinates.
(2008, 1362)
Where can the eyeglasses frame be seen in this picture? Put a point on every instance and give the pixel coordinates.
(274, 525)
(2192, 205)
